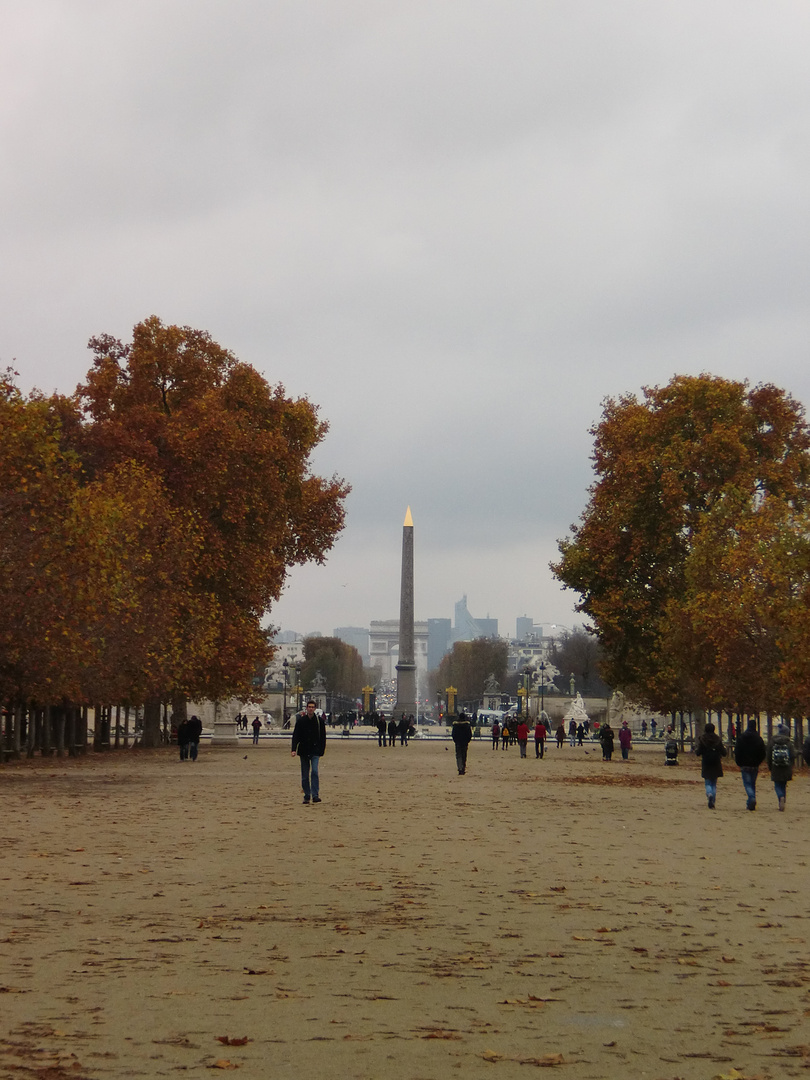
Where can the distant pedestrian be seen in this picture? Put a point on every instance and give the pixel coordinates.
(644, 729)
(194, 731)
(523, 737)
(572, 732)
(462, 733)
(625, 739)
(781, 756)
(381, 729)
(653, 726)
(309, 743)
(560, 734)
(182, 738)
(393, 727)
(710, 749)
(540, 734)
(749, 753)
(257, 727)
(496, 734)
(606, 739)
(580, 734)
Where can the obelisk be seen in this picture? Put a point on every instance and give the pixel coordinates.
(406, 668)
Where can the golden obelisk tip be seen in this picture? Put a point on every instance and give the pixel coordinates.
(408, 522)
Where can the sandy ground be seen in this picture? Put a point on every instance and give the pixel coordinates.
(593, 918)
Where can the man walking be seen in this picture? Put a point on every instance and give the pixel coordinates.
(522, 736)
(539, 738)
(749, 753)
(462, 733)
(309, 743)
(193, 733)
(625, 739)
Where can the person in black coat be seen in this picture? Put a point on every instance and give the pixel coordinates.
(462, 733)
(710, 749)
(309, 743)
(749, 753)
(193, 733)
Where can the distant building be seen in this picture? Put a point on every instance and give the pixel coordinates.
(384, 650)
(467, 628)
(356, 636)
(439, 639)
(290, 650)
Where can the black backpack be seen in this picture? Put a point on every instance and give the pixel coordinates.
(780, 756)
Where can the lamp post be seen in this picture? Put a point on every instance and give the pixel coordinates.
(285, 667)
(528, 672)
(542, 666)
(299, 690)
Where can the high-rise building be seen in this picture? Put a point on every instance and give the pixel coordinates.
(439, 638)
(467, 628)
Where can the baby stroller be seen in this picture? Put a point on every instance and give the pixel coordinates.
(671, 752)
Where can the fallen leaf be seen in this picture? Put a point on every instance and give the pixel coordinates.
(228, 1040)
(223, 1063)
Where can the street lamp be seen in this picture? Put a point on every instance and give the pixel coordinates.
(299, 690)
(526, 690)
(285, 667)
(542, 667)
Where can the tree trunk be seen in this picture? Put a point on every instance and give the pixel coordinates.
(150, 737)
(59, 715)
(81, 731)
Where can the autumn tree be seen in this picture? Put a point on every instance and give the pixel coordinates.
(666, 466)
(340, 664)
(232, 454)
(41, 640)
(469, 664)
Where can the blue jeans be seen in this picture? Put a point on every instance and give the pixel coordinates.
(711, 787)
(780, 787)
(309, 775)
(192, 750)
(749, 779)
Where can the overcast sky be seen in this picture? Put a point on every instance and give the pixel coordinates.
(455, 227)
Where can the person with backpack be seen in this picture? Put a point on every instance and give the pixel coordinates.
(711, 751)
(780, 756)
(749, 753)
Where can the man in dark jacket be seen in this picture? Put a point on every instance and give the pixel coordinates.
(749, 753)
(309, 743)
(193, 733)
(462, 733)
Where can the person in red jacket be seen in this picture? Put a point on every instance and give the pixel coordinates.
(523, 737)
(540, 734)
